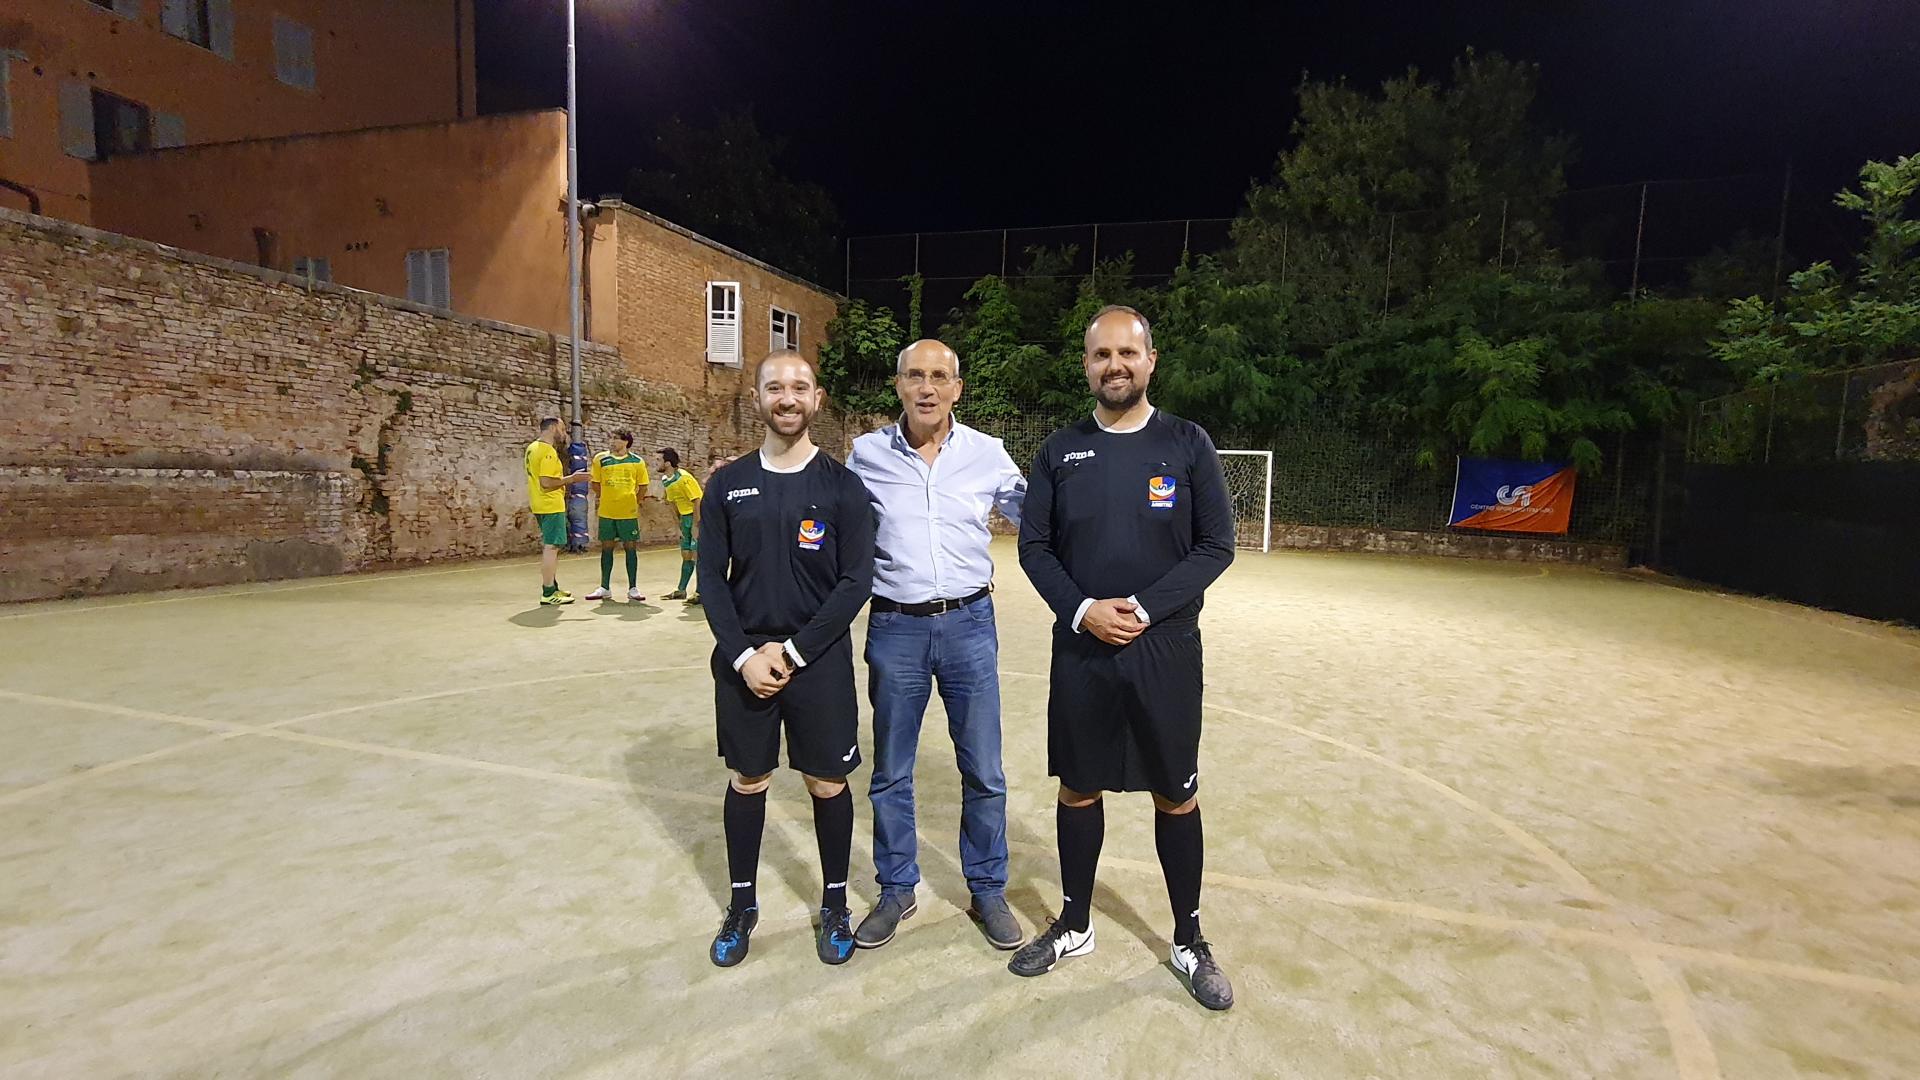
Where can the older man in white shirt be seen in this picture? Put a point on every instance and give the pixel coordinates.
(933, 482)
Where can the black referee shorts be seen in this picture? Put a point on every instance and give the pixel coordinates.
(818, 707)
(1126, 718)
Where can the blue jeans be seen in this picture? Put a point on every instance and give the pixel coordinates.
(906, 654)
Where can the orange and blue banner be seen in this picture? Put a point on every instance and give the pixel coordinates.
(1512, 496)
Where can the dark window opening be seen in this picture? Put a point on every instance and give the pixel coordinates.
(120, 126)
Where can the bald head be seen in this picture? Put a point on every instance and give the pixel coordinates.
(1124, 316)
(926, 352)
(927, 379)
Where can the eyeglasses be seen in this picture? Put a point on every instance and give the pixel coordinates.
(939, 380)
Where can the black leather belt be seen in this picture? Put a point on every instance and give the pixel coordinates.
(931, 607)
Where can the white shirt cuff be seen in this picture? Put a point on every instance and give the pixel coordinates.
(1081, 613)
(740, 661)
(1138, 611)
(793, 654)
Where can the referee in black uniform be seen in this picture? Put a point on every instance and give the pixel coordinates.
(785, 563)
(1127, 522)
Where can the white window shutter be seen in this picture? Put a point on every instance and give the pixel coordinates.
(127, 9)
(417, 277)
(176, 17)
(220, 27)
(441, 277)
(723, 322)
(76, 119)
(169, 129)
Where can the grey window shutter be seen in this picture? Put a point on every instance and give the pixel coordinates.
(127, 9)
(417, 277)
(76, 119)
(176, 18)
(169, 129)
(6, 94)
(442, 279)
(220, 27)
(293, 53)
(283, 50)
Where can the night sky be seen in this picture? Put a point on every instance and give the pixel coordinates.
(918, 114)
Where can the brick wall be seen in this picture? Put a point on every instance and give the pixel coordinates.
(171, 419)
(662, 300)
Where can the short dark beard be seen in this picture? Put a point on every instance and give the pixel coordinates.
(1125, 401)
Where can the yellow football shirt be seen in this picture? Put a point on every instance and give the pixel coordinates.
(621, 480)
(544, 460)
(682, 490)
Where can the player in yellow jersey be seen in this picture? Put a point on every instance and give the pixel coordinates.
(678, 487)
(619, 484)
(547, 498)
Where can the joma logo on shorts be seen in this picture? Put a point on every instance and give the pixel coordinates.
(741, 493)
(1077, 455)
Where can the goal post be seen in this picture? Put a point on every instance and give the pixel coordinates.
(1249, 476)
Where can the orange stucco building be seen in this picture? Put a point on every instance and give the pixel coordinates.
(87, 79)
(468, 216)
(337, 139)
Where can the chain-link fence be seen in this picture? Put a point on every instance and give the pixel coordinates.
(1863, 414)
(1643, 235)
(1810, 490)
(1328, 473)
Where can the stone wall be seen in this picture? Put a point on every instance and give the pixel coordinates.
(172, 419)
(1455, 544)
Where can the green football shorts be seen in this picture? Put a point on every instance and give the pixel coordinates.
(553, 529)
(620, 529)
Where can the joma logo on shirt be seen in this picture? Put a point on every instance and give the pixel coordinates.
(1077, 455)
(741, 493)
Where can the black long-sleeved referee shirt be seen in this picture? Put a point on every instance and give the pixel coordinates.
(784, 556)
(1141, 514)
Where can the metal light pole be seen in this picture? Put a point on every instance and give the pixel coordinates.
(573, 229)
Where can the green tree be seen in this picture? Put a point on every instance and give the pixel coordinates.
(725, 181)
(857, 361)
(1385, 195)
(1228, 361)
(1742, 267)
(1828, 319)
(1528, 363)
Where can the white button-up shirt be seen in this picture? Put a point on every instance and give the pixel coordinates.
(931, 542)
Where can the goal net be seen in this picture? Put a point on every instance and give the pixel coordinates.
(1250, 485)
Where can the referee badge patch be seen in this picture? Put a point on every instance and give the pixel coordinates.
(811, 533)
(1161, 491)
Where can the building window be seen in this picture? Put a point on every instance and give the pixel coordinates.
(784, 332)
(128, 9)
(120, 126)
(723, 322)
(429, 278)
(293, 53)
(187, 20)
(206, 23)
(314, 269)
